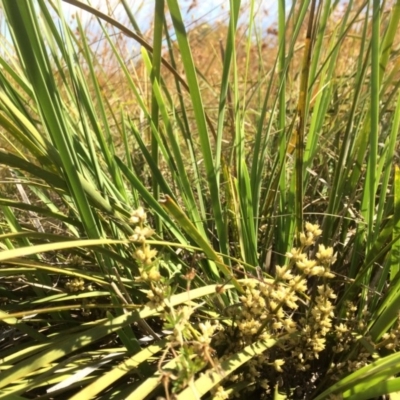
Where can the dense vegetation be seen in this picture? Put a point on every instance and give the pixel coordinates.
(200, 212)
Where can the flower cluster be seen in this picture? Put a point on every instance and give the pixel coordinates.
(292, 308)
(391, 339)
(190, 346)
(185, 341)
(75, 285)
(144, 254)
(296, 308)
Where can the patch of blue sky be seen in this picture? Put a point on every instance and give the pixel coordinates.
(194, 12)
(209, 13)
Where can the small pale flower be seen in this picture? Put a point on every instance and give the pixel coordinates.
(298, 284)
(314, 229)
(342, 328)
(145, 255)
(138, 216)
(326, 291)
(325, 254)
(141, 234)
(283, 273)
(289, 325)
(277, 364)
(277, 325)
(296, 255)
(328, 275)
(206, 328)
(318, 345)
(264, 384)
(154, 275)
(291, 302)
(306, 265)
(317, 271)
(306, 240)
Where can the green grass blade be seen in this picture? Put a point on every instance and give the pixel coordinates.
(199, 115)
(21, 18)
(383, 368)
(207, 381)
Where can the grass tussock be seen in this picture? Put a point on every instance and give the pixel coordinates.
(201, 210)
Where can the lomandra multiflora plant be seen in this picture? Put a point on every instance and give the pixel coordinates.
(295, 311)
(199, 211)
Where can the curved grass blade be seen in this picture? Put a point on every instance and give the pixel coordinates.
(210, 379)
(382, 369)
(27, 251)
(119, 371)
(65, 345)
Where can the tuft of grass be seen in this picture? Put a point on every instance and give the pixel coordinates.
(205, 211)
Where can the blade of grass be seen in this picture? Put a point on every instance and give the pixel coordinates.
(207, 381)
(198, 108)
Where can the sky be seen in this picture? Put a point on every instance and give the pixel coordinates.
(194, 11)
